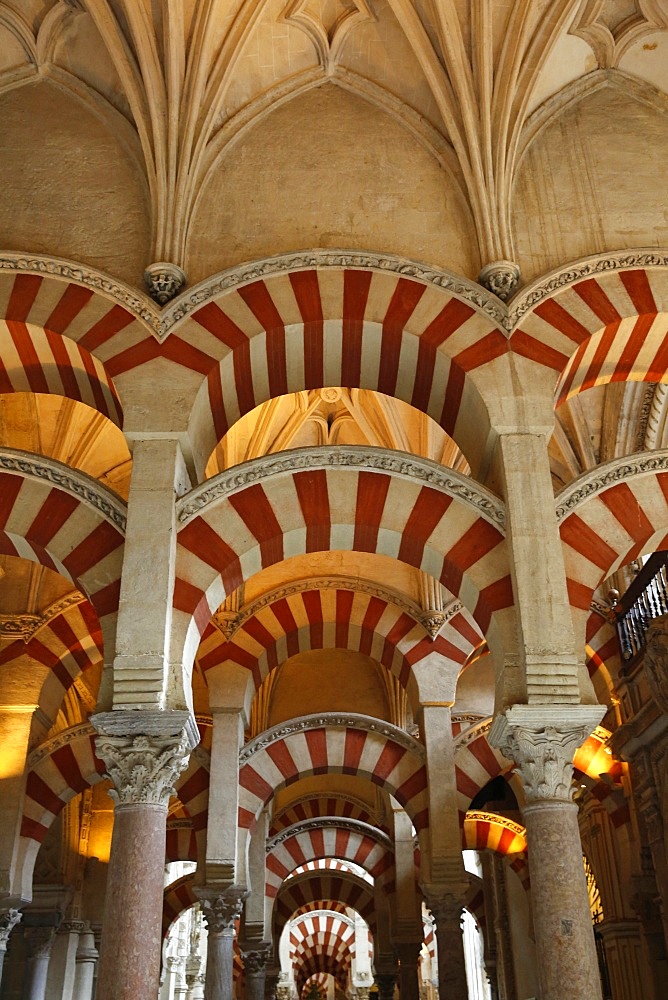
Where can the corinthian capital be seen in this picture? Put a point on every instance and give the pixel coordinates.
(542, 740)
(221, 908)
(256, 957)
(143, 766)
(8, 921)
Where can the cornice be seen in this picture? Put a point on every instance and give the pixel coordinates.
(397, 463)
(26, 626)
(72, 481)
(330, 720)
(497, 820)
(616, 471)
(327, 823)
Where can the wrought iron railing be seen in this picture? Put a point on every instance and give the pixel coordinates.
(645, 599)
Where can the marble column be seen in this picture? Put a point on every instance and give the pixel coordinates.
(271, 982)
(39, 941)
(86, 959)
(448, 911)
(255, 958)
(8, 921)
(221, 908)
(144, 752)
(542, 740)
(408, 953)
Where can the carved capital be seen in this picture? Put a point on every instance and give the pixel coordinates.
(446, 906)
(221, 909)
(256, 957)
(542, 741)
(143, 766)
(385, 982)
(500, 277)
(164, 281)
(39, 941)
(8, 921)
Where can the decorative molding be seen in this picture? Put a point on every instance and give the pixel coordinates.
(141, 307)
(72, 481)
(542, 741)
(473, 733)
(62, 739)
(397, 463)
(587, 267)
(330, 720)
(326, 823)
(26, 626)
(616, 471)
(648, 408)
(469, 291)
(229, 622)
(498, 820)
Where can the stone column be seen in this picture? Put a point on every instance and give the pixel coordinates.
(447, 910)
(386, 981)
(271, 982)
(8, 921)
(255, 960)
(542, 740)
(144, 752)
(39, 941)
(86, 959)
(408, 953)
(221, 908)
(624, 955)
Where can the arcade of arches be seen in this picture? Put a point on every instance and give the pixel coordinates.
(333, 499)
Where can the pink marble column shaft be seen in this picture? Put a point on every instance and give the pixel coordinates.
(132, 926)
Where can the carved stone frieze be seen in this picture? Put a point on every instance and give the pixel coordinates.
(143, 766)
(656, 661)
(221, 909)
(456, 485)
(501, 277)
(542, 741)
(617, 471)
(236, 277)
(588, 267)
(76, 483)
(330, 720)
(164, 281)
(498, 819)
(8, 921)
(327, 822)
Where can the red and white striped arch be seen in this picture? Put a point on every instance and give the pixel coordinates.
(177, 898)
(345, 888)
(229, 533)
(476, 763)
(310, 842)
(485, 831)
(603, 654)
(57, 771)
(315, 806)
(338, 619)
(192, 788)
(335, 326)
(340, 745)
(609, 327)
(602, 776)
(68, 644)
(608, 518)
(75, 527)
(321, 942)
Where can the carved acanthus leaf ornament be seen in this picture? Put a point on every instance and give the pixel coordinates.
(143, 768)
